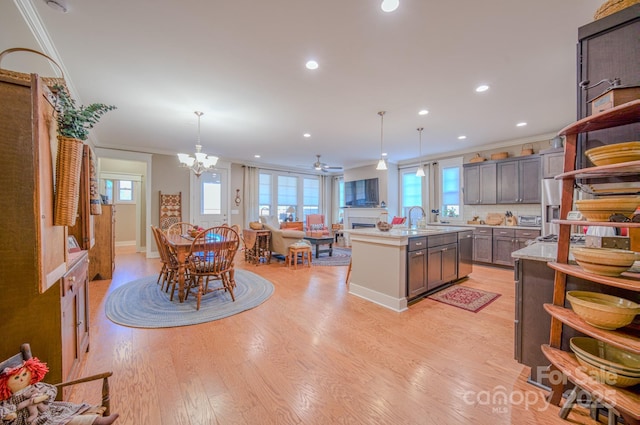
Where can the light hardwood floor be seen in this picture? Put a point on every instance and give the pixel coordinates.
(314, 354)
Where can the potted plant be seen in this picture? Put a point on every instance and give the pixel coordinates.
(73, 128)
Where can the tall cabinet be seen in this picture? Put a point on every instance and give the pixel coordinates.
(625, 400)
(34, 259)
(103, 253)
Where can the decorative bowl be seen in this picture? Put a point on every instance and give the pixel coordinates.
(602, 310)
(614, 154)
(384, 226)
(606, 376)
(604, 261)
(600, 209)
(606, 354)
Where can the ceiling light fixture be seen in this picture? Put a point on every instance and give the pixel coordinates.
(462, 137)
(482, 88)
(306, 135)
(389, 5)
(420, 172)
(200, 162)
(312, 64)
(521, 124)
(57, 5)
(423, 112)
(382, 165)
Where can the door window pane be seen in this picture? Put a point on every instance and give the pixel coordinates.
(211, 195)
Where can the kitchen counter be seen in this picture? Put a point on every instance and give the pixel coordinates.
(502, 226)
(379, 263)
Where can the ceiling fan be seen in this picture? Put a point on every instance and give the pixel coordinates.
(321, 166)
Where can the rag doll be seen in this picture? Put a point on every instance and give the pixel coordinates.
(24, 400)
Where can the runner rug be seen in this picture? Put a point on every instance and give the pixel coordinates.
(466, 298)
(141, 303)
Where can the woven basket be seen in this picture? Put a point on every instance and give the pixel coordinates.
(255, 225)
(526, 150)
(477, 158)
(613, 6)
(22, 76)
(500, 155)
(68, 167)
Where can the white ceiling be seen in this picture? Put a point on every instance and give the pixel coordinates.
(241, 62)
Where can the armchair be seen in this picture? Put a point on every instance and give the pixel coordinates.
(281, 239)
(315, 224)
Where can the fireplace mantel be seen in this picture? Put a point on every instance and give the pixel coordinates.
(360, 216)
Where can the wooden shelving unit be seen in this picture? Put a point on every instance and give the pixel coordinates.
(625, 401)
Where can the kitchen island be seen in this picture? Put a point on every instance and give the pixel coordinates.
(379, 267)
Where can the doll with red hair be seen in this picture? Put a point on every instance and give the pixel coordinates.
(25, 400)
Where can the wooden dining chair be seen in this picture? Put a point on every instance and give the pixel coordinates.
(164, 271)
(180, 228)
(173, 265)
(211, 258)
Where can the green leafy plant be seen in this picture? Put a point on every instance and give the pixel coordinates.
(73, 121)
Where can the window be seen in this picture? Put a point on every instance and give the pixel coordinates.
(211, 194)
(411, 191)
(125, 191)
(119, 191)
(290, 197)
(450, 191)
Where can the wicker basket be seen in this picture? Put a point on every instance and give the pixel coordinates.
(255, 225)
(500, 155)
(613, 6)
(68, 167)
(477, 158)
(526, 150)
(22, 76)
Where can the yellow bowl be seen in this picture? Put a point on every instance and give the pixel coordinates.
(607, 256)
(606, 376)
(600, 209)
(602, 310)
(614, 154)
(602, 354)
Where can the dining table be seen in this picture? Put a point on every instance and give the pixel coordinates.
(182, 246)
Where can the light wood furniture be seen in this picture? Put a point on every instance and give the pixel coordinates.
(626, 402)
(34, 258)
(102, 255)
(299, 250)
(256, 244)
(292, 225)
(25, 354)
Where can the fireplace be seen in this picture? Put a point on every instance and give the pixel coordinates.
(362, 225)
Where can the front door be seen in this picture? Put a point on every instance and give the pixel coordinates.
(209, 198)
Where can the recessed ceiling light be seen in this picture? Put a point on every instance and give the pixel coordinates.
(423, 112)
(482, 88)
(256, 156)
(462, 137)
(307, 135)
(312, 64)
(389, 5)
(521, 124)
(384, 154)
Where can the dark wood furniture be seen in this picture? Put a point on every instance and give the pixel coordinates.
(480, 183)
(257, 246)
(518, 180)
(25, 354)
(416, 266)
(625, 401)
(322, 240)
(35, 259)
(103, 254)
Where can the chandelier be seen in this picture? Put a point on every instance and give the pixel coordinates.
(200, 162)
(382, 164)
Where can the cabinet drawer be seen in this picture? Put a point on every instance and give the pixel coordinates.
(74, 276)
(482, 231)
(438, 240)
(504, 232)
(527, 234)
(417, 243)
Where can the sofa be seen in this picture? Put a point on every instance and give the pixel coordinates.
(280, 239)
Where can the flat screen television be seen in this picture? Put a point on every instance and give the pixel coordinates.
(361, 193)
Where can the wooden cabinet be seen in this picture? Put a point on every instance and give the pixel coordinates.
(416, 267)
(75, 313)
(552, 163)
(625, 400)
(442, 259)
(506, 241)
(483, 245)
(102, 255)
(518, 181)
(480, 183)
(34, 256)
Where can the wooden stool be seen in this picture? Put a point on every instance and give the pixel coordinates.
(292, 258)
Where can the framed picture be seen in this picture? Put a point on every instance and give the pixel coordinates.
(73, 245)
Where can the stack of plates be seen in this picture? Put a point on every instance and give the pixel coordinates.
(606, 363)
(614, 154)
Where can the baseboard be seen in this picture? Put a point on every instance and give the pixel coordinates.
(395, 304)
(126, 243)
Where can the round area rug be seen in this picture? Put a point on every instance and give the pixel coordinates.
(141, 303)
(339, 257)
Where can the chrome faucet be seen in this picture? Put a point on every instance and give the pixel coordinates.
(410, 216)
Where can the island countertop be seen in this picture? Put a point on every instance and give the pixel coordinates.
(400, 236)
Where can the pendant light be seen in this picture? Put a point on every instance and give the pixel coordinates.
(199, 162)
(382, 164)
(420, 172)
